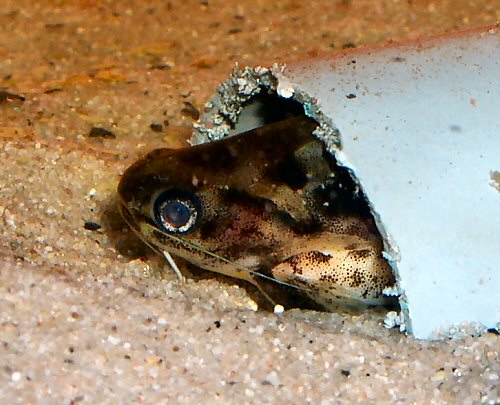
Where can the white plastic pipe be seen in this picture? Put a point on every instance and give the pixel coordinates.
(419, 125)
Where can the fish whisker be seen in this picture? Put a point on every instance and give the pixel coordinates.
(145, 228)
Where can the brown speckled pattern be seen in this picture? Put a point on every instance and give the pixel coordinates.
(337, 277)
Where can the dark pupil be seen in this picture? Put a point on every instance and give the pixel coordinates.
(176, 213)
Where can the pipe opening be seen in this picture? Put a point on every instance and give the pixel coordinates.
(265, 108)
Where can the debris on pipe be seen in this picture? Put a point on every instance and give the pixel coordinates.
(417, 124)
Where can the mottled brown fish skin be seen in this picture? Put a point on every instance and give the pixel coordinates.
(268, 198)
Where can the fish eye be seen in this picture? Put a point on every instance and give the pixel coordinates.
(177, 211)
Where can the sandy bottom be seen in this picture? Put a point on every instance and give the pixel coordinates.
(87, 315)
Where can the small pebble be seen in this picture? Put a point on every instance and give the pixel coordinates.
(98, 132)
(113, 340)
(6, 96)
(156, 127)
(15, 376)
(279, 309)
(252, 305)
(91, 226)
(190, 111)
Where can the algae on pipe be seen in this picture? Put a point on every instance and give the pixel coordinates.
(418, 126)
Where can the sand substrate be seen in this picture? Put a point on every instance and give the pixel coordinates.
(87, 314)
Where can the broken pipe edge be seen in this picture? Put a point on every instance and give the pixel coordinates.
(221, 116)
